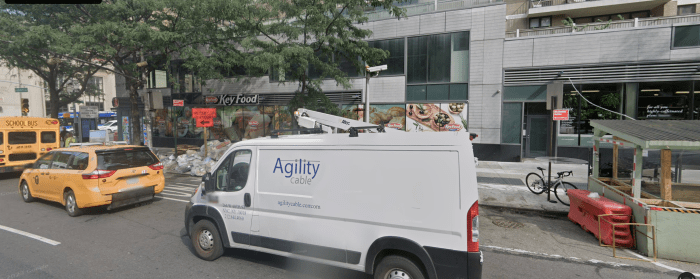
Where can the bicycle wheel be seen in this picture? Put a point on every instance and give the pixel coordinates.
(535, 183)
(560, 191)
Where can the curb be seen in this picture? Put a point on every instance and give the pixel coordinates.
(540, 212)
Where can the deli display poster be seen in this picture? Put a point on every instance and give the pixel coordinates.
(436, 117)
(391, 116)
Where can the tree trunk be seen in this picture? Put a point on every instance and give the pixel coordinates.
(135, 115)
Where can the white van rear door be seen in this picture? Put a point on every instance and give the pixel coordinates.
(233, 197)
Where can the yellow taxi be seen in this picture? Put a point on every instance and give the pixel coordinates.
(87, 176)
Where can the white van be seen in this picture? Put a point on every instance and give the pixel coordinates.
(396, 205)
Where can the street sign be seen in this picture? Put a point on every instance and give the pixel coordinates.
(89, 111)
(561, 114)
(205, 122)
(178, 103)
(203, 113)
(21, 89)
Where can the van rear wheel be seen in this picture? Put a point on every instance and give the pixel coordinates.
(206, 241)
(397, 267)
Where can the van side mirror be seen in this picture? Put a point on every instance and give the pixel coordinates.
(209, 183)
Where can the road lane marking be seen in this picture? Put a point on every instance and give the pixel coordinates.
(177, 194)
(166, 198)
(657, 263)
(30, 235)
(185, 185)
(180, 188)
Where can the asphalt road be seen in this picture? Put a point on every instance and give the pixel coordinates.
(149, 241)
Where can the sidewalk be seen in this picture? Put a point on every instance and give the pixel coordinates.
(502, 184)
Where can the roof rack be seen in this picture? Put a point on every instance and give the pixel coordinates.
(275, 133)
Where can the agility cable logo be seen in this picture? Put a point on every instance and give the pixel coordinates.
(299, 171)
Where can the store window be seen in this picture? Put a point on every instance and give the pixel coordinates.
(686, 9)
(664, 100)
(686, 36)
(696, 102)
(395, 61)
(608, 96)
(540, 22)
(232, 123)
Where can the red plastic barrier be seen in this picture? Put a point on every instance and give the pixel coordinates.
(584, 211)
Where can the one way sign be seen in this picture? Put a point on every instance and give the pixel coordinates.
(205, 123)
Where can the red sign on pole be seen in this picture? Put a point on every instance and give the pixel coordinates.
(204, 113)
(178, 103)
(208, 122)
(561, 114)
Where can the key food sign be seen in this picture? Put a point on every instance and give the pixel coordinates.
(231, 99)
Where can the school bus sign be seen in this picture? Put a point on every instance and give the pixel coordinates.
(18, 123)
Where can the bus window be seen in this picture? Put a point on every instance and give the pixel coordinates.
(1, 139)
(21, 137)
(48, 137)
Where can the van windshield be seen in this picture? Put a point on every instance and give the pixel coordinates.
(124, 159)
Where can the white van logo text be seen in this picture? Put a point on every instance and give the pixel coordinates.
(298, 166)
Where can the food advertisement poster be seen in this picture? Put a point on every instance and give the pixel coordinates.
(436, 117)
(391, 116)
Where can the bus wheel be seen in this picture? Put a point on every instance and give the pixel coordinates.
(26, 195)
(206, 241)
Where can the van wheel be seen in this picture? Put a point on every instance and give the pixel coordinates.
(206, 241)
(71, 205)
(397, 267)
(26, 195)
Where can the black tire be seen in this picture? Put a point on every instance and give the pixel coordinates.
(24, 191)
(535, 183)
(561, 193)
(71, 204)
(206, 241)
(398, 267)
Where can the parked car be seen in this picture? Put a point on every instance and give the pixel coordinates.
(88, 176)
(110, 125)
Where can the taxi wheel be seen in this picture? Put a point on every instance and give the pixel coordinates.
(24, 190)
(206, 241)
(71, 204)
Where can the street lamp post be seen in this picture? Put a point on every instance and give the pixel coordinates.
(368, 75)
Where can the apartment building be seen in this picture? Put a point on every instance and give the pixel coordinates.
(498, 59)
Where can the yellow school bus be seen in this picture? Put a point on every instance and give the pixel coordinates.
(24, 139)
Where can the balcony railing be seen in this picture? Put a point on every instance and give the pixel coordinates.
(425, 7)
(620, 24)
(547, 3)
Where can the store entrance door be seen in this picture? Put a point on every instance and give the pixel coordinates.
(536, 136)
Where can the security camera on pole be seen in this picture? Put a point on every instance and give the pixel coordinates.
(368, 74)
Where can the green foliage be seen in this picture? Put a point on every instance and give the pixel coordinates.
(292, 37)
(39, 38)
(570, 22)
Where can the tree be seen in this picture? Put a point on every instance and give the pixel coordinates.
(131, 32)
(303, 40)
(39, 38)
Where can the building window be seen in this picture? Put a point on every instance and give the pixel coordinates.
(100, 105)
(184, 79)
(395, 61)
(664, 100)
(686, 9)
(437, 92)
(608, 96)
(540, 22)
(686, 36)
(613, 17)
(441, 63)
(511, 123)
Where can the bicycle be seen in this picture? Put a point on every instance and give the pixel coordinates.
(538, 185)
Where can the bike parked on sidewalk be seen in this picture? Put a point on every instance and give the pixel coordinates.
(538, 185)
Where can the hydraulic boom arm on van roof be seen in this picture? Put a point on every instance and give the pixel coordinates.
(330, 123)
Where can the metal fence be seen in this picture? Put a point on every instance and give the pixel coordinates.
(425, 7)
(619, 24)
